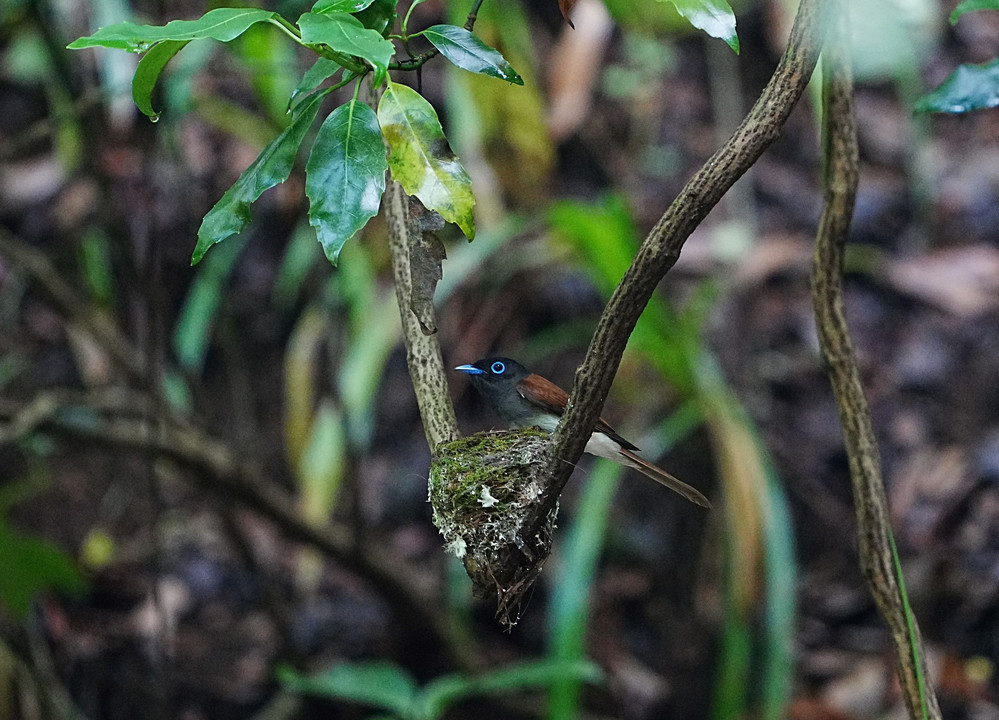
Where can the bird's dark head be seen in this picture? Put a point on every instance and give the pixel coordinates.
(494, 371)
(496, 379)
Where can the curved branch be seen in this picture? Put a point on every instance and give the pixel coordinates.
(661, 248)
(218, 470)
(878, 557)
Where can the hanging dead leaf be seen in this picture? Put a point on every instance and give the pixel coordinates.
(576, 67)
(426, 253)
(566, 7)
(425, 257)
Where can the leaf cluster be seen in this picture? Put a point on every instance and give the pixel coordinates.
(345, 173)
(969, 87)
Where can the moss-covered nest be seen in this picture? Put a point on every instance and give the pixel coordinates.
(482, 488)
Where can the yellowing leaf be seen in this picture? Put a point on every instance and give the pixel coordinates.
(421, 159)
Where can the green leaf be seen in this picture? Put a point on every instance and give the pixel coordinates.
(223, 24)
(969, 87)
(443, 692)
(380, 684)
(913, 628)
(30, 566)
(148, 72)
(379, 16)
(96, 266)
(972, 5)
(469, 53)
(322, 69)
(273, 166)
(340, 6)
(345, 33)
(321, 466)
(421, 159)
(192, 333)
(345, 175)
(570, 601)
(715, 17)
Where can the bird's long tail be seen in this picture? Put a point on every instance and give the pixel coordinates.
(663, 478)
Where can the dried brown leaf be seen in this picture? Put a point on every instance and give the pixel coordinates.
(963, 281)
(425, 257)
(566, 7)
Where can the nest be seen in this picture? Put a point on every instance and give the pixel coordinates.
(483, 488)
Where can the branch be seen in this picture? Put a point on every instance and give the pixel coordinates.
(29, 672)
(220, 471)
(98, 323)
(878, 556)
(407, 223)
(661, 249)
(126, 417)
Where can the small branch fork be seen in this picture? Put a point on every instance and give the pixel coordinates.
(417, 62)
(878, 557)
(661, 248)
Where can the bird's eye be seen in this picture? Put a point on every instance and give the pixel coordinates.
(498, 368)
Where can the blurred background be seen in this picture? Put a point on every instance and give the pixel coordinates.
(213, 479)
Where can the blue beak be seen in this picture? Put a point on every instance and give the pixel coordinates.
(470, 369)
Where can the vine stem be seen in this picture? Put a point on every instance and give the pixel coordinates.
(879, 560)
(661, 248)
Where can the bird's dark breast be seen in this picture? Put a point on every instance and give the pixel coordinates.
(504, 400)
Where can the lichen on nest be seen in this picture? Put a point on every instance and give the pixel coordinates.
(482, 489)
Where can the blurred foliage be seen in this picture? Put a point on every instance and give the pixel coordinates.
(759, 558)
(31, 565)
(504, 124)
(390, 688)
(573, 576)
(196, 322)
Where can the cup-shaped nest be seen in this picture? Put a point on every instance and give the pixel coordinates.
(483, 490)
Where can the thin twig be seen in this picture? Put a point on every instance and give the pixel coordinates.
(417, 62)
(98, 323)
(29, 672)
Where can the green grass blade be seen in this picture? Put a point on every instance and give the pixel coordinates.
(572, 580)
(910, 623)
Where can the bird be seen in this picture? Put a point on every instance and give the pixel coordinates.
(524, 399)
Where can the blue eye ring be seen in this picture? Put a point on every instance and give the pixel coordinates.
(498, 368)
